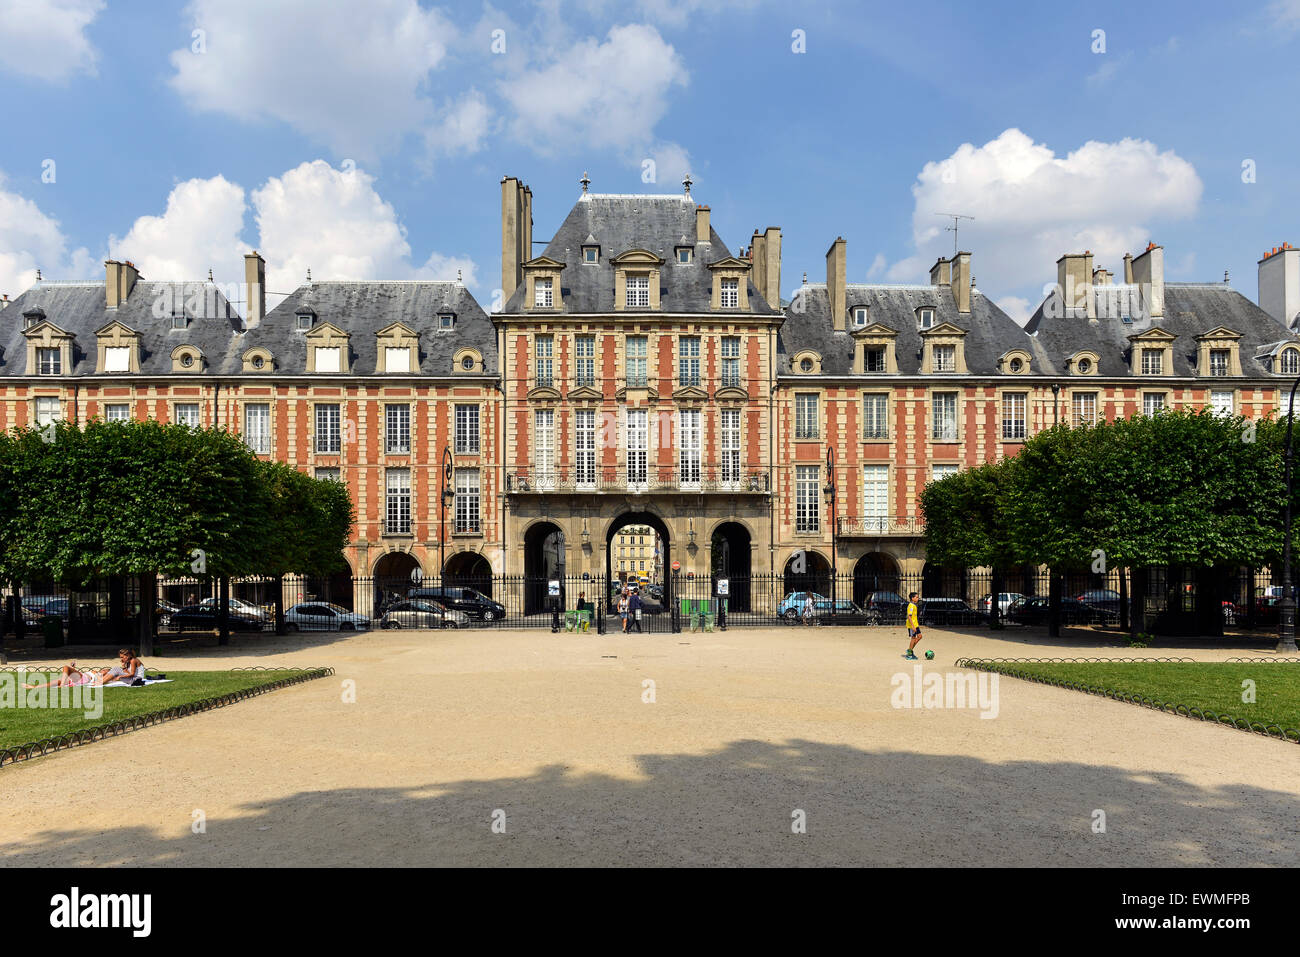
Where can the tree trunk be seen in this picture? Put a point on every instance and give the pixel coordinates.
(1054, 604)
(20, 620)
(279, 605)
(1123, 599)
(1138, 613)
(995, 610)
(223, 610)
(148, 584)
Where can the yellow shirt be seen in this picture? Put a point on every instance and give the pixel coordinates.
(911, 615)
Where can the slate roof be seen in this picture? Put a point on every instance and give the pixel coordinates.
(80, 308)
(364, 308)
(1190, 309)
(990, 332)
(619, 223)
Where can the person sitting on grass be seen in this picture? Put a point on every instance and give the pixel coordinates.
(130, 668)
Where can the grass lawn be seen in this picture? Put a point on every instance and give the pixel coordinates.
(1205, 685)
(23, 725)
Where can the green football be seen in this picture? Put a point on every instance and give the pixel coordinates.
(929, 656)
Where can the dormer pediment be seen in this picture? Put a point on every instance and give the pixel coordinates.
(327, 330)
(1154, 334)
(1219, 332)
(944, 329)
(876, 330)
(731, 262)
(397, 330)
(637, 257)
(116, 329)
(544, 262)
(47, 330)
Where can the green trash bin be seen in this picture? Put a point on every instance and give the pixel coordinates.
(708, 622)
(52, 629)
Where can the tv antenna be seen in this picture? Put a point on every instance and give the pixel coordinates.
(955, 217)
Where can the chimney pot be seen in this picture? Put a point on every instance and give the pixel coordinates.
(703, 233)
(255, 283)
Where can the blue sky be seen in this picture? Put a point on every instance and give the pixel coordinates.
(367, 140)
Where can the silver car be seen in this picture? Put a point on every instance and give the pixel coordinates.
(323, 616)
(422, 613)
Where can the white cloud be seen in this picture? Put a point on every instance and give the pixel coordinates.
(1285, 14)
(1017, 307)
(198, 231)
(46, 39)
(597, 94)
(29, 239)
(351, 77)
(461, 127)
(877, 266)
(1030, 206)
(671, 164)
(680, 13)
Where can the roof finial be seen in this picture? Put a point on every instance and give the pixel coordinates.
(805, 279)
(459, 277)
(1225, 277)
(38, 273)
(686, 181)
(309, 274)
(209, 274)
(585, 181)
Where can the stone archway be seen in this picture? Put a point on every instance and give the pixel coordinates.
(396, 573)
(657, 611)
(875, 571)
(544, 558)
(470, 570)
(731, 558)
(808, 571)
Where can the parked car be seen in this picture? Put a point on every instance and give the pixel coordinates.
(885, 607)
(946, 611)
(1005, 598)
(655, 592)
(204, 618)
(791, 607)
(43, 605)
(1105, 600)
(322, 616)
(422, 613)
(1035, 611)
(240, 607)
(470, 601)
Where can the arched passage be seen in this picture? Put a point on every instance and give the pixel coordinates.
(731, 556)
(664, 561)
(875, 571)
(808, 571)
(938, 581)
(470, 570)
(543, 561)
(334, 587)
(395, 574)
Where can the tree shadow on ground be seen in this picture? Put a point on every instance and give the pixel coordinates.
(731, 806)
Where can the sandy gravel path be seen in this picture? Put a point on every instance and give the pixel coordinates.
(747, 728)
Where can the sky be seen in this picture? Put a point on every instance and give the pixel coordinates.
(368, 140)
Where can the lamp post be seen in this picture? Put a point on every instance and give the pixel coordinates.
(448, 496)
(830, 492)
(1286, 610)
(1056, 402)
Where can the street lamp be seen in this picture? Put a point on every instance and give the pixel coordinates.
(1056, 402)
(448, 496)
(1286, 610)
(830, 493)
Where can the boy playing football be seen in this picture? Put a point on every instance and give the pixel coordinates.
(913, 626)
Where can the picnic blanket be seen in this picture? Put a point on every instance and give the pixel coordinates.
(147, 681)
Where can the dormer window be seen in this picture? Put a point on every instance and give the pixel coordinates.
(730, 294)
(1016, 365)
(117, 358)
(1084, 366)
(1288, 362)
(945, 358)
(467, 363)
(591, 254)
(685, 254)
(187, 360)
(258, 362)
(397, 359)
(328, 358)
(304, 321)
(1153, 361)
(180, 321)
(874, 359)
(859, 316)
(806, 365)
(543, 294)
(925, 318)
(48, 361)
(446, 321)
(638, 292)
(32, 316)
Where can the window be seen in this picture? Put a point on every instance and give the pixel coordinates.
(1084, 366)
(328, 436)
(636, 368)
(875, 416)
(467, 363)
(944, 358)
(257, 427)
(637, 441)
(330, 473)
(1289, 362)
(806, 365)
(304, 321)
(1015, 365)
(805, 416)
(397, 359)
(943, 414)
(258, 362)
(684, 254)
(397, 429)
(688, 360)
(1152, 402)
(584, 353)
(1219, 361)
(688, 440)
(584, 435)
(730, 295)
(1153, 361)
(730, 446)
(940, 472)
(590, 254)
(1222, 403)
(397, 503)
(49, 361)
(544, 447)
(467, 430)
(117, 358)
(117, 412)
(731, 362)
(543, 295)
(186, 413)
(180, 321)
(925, 318)
(873, 358)
(446, 321)
(875, 497)
(1083, 408)
(859, 316)
(187, 360)
(807, 511)
(544, 346)
(638, 292)
(467, 500)
(47, 410)
(1013, 416)
(328, 359)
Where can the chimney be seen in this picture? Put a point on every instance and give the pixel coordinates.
(4, 301)
(1149, 274)
(120, 279)
(758, 259)
(941, 272)
(836, 281)
(702, 232)
(961, 281)
(1279, 284)
(1101, 277)
(255, 284)
(1128, 269)
(516, 233)
(770, 285)
(1074, 276)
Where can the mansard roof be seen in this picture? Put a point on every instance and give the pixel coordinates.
(621, 223)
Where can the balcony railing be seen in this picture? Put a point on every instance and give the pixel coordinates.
(654, 479)
(873, 525)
